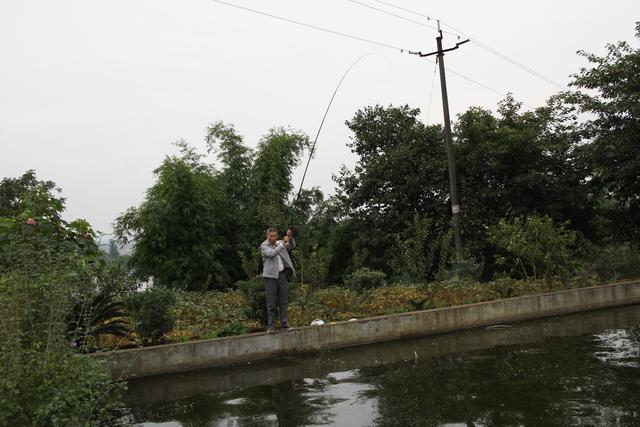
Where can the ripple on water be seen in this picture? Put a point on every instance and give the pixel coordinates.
(620, 348)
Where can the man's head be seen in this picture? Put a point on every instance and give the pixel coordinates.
(272, 235)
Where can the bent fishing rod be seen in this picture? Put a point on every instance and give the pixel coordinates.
(315, 141)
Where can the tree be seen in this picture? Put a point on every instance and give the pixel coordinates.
(401, 171)
(516, 164)
(609, 93)
(237, 159)
(198, 227)
(12, 191)
(181, 232)
(257, 184)
(279, 152)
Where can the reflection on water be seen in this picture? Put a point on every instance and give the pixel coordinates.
(621, 347)
(573, 370)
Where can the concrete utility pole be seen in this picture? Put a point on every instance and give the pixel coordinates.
(453, 182)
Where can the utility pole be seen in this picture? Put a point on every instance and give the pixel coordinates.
(453, 182)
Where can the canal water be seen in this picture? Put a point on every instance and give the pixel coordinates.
(581, 369)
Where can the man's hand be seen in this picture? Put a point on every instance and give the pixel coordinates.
(285, 239)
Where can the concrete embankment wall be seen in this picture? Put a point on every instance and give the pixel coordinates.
(232, 350)
(164, 388)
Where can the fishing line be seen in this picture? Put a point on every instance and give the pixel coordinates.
(433, 80)
(315, 141)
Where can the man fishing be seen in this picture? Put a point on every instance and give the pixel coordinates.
(276, 267)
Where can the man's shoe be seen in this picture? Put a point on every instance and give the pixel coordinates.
(271, 330)
(286, 327)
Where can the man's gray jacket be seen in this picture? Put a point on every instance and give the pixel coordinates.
(270, 254)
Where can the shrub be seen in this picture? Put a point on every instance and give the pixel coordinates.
(616, 262)
(364, 278)
(316, 267)
(151, 311)
(42, 381)
(464, 269)
(303, 295)
(97, 314)
(536, 248)
(235, 327)
(426, 250)
(339, 303)
(253, 290)
(56, 389)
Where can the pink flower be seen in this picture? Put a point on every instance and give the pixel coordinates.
(30, 221)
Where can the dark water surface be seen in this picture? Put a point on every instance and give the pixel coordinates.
(581, 369)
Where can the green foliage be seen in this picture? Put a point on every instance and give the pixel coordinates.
(254, 291)
(401, 171)
(427, 250)
(199, 314)
(56, 389)
(180, 232)
(198, 228)
(36, 232)
(12, 191)
(151, 312)
(515, 164)
(230, 329)
(96, 315)
(278, 153)
(536, 248)
(616, 262)
(316, 267)
(101, 309)
(46, 264)
(609, 92)
(365, 278)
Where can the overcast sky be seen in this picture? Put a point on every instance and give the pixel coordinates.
(93, 94)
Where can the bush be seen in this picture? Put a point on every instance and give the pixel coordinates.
(94, 315)
(42, 381)
(616, 262)
(235, 327)
(464, 269)
(253, 290)
(536, 248)
(364, 278)
(316, 267)
(56, 389)
(427, 250)
(151, 311)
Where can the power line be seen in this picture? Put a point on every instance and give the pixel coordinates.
(478, 43)
(506, 58)
(469, 79)
(404, 18)
(338, 33)
(404, 9)
(484, 86)
(315, 27)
